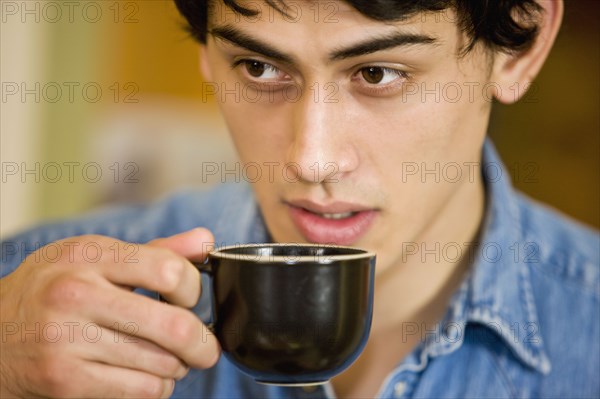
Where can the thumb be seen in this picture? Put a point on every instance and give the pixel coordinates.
(194, 244)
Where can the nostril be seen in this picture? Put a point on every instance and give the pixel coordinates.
(319, 168)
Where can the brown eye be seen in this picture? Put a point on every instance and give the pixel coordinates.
(255, 68)
(373, 75)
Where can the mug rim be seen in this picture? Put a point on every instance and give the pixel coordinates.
(218, 253)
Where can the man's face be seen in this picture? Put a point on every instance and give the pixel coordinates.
(364, 133)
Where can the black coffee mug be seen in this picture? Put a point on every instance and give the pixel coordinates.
(291, 314)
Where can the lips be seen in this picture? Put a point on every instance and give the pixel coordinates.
(336, 223)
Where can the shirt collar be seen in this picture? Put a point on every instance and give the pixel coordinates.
(497, 292)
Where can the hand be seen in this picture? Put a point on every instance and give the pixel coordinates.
(71, 325)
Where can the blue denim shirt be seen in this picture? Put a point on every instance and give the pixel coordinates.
(525, 322)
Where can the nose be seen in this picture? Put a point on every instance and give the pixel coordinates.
(322, 149)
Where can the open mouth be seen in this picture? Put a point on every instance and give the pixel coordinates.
(331, 224)
(336, 216)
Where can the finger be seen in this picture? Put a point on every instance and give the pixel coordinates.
(194, 244)
(102, 380)
(119, 347)
(175, 329)
(161, 270)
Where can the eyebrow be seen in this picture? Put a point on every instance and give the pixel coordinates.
(241, 39)
(372, 45)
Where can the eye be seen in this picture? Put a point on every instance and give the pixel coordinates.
(262, 71)
(380, 75)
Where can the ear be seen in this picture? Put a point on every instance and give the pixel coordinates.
(204, 64)
(522, 68)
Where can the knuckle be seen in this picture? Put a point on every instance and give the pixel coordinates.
(96, 238)
(66, 292)
(182, 329)
(81, 249)
(170, 273)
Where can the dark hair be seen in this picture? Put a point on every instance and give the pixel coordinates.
(505, 25)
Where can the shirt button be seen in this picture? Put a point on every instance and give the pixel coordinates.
(399, 389)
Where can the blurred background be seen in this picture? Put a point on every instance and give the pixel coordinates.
(102, 103)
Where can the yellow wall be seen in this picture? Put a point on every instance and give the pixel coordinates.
(155, 52)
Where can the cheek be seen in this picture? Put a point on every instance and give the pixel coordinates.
(250, 124)
(419, 143)
(254, 139)
(260, 130)
(440, 125)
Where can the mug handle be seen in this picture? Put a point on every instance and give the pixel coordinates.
(206, 268)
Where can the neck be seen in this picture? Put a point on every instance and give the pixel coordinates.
(414, 294)
(419, 288)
